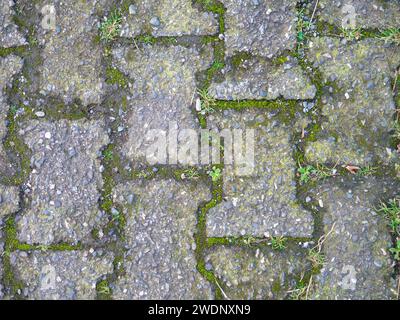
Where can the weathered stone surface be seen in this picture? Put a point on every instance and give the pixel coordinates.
(264, 28)
(9, 66)
(71, 60)
(167, 18)
(262, 273)
(359, 112)
(262, 79)
(161, 221)
(358, 263)
(367, 14)
(63, 275)
(262, 202)
(65, 183)
(162, 94)
(9, 200)
(10, 36)
(1, 263)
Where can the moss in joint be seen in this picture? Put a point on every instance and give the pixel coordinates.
(115, 76)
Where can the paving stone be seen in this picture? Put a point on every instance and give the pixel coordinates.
(71, 59)
(161, 222)
(162, 94)
(1, 263)
(9, 66)
(62, 275)
(10, 36)
(359, 113)
(367, 14)
(262, 202)
(167, 18)
(264, 28)
(262, 79)
(358, 263)
(9, 200)
(65, 183)
(262, 273)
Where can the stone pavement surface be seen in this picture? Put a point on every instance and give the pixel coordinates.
(85, 213)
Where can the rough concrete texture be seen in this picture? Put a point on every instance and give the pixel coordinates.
(162, 95)
(9, 67)
(71, 59)
(264, 28)
(358, 263)
(360, 14)
(257, 273)
(161, 222)
(67, 275)
(167, 18)
(64, 186)
(10, 35)
(262, 79)
(9, 200)
(259, 202)
(77, 168)
(361, 102)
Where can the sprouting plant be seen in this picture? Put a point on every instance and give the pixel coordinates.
(316, 258)
(396, 130)
(103, 288)
(147, 39)
(278, 243)
(249, 241)
(303, 25)
(110, 27)
(391, 35)
(396, 251)
(391, 212)
(298, 292)
(366, 171)
(207, 102)
(42, 247)
(190, 174)
(306, 173)
(108, 155)
(351, 34)
(215, 174)
(217, 65)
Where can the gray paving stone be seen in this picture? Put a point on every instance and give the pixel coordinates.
(161, 221)
(163, 92)
(9, 200)
(257, 273)
(262, 202)
(262, 79)
(167, 18)
(10, 36)
(359, 114)
(1, 264)
(71, 59)
(358, 263)
(64, 186)
(63, 275)
(9, 66)
(264, 28)
(368, 14)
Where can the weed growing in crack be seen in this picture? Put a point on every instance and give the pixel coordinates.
(316, 258)
(190, 174)
(396, 251)
(303, 25)
(351, 34)
(110, 27)
(278, 243)
(215, 174)
(391, 212)
(318, 172)
(206, 103)
(391, 35)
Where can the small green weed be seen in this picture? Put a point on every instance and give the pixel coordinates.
(396, 251)
(110, 27)
(351, 34)
(391, 35)
(215, 174)
(278, 243)
(207, 102)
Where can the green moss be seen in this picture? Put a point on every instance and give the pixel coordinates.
(115, 76)
(20, 51)
(103, 290)
(239, 58)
